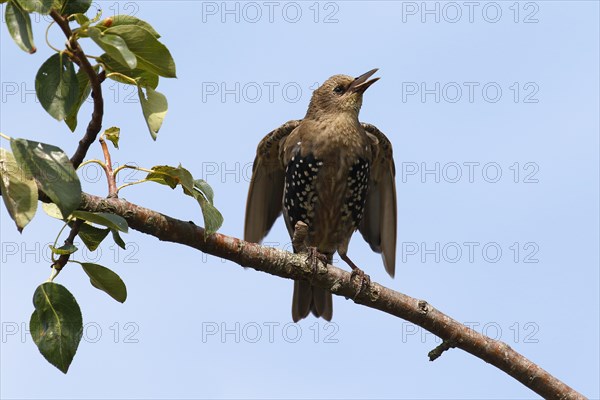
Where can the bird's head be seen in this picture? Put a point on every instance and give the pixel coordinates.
(340, 94)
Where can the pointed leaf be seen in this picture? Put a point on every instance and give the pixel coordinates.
(19, 191)
(118, 240)
(75, 6)
(91, 236)
(140, 76)
(106, 280)
(51, 167)
(154, 108)
(66, 249)
(152, 55)
(56, 324)
(123, 19)
(56, 86)
(84, 89)
(19, 27)
(115, 46)
(112, 134)
(111, 221)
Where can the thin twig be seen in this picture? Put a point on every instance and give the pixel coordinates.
(110, 176)
(439, 350)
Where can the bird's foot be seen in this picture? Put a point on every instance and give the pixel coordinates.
(313, 256)
(365, 280)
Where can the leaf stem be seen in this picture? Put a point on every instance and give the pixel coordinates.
(122, 167)
(58, 237)
(47, 41)
(53, 274)
(124, 77)
(131, 184)
(99, 162)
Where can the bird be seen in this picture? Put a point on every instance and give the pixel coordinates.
(332, 173)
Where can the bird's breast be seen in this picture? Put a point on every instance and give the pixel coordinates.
(328, 195)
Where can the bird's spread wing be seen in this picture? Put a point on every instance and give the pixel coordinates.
(266, 187)
(378, 225)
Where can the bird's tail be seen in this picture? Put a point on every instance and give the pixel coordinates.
(309, 298)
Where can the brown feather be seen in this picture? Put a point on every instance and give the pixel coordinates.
(266, 186)
(378, 226)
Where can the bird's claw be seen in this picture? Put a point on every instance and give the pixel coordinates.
(365, 280)
(313, 256)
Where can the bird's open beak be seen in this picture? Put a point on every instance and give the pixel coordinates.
(360, 84)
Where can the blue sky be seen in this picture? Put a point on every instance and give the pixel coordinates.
(493, 113)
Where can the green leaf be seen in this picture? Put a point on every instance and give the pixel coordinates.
(115, 46)
(204, 187)
(212, 217)
(38, 6)
(19, 191)
(84, 89)
(85, 22)
(204, 194)
(106, 280)
(141, 77)
(51, 167)
(154, 107)
(56, 324)
(56, 86)
(123, 19)
(152, 55)
(171, 176)
(75, 6)
(112, 134)
(52, 210)
(66, 249)
(82, 19)
(118, 240)
(91, 236)
(19, 27)
(111, 221)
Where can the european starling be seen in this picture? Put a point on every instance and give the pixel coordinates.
(331, 172)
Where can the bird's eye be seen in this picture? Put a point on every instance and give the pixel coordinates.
(338, 89)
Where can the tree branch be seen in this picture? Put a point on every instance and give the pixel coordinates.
(295, 266)
(64, 258)
(95, 123)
